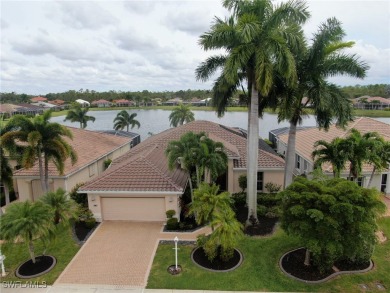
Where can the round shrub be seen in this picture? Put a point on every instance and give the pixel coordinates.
(261, 210)
(172, 224)
(170, 213)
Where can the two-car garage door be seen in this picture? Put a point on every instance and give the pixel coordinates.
(133, 209)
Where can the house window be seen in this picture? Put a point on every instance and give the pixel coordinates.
(260, 177)
(92, 170)
(305, 165)
(384, 183)
(297, 162)
(359, 181)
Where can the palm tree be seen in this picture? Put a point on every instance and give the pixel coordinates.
(360, 149)
(79, 114)
(26, 221)
(257, 38)
(62, 206)
(123, 119)
(314, 65)
(6, 173)
(212, 158)
(333, 153)
(207, 202)
(183, 152)
(39, 140)
(380, 159)
(180, 115)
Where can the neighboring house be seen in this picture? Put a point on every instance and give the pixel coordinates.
(38, 99)
(101, 103)
(173, 102)
(196, 102)
(371, 103)
(23, 109)
(123, 103)
(83, 103)
(139, 186)
(92, 149)
(57, 102)
(306, 137)
(46, 106)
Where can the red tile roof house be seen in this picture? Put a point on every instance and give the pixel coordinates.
(101, 104)
(306, 137)
(138, 186)
(92, 148)
(123, 103)
(371, 103)
(38, 99)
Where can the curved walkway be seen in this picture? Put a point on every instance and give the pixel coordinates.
(119, 254)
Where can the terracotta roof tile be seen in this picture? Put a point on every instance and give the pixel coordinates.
(89, 145)
(130, 171)
(305, 138)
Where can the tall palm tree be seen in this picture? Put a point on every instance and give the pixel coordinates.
(314, 64)
(39, 140)
(257, 39)
(26, 221)
(62, 206)
(123, 119)
(180, 115)
(333, 152)
(79, 114)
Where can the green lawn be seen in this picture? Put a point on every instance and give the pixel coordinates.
(260, 271)
(63, 249)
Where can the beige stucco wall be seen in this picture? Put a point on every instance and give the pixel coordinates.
(274, 176)
(95, 202)
(28, 188)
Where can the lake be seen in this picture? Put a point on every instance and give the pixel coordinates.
(155, 121)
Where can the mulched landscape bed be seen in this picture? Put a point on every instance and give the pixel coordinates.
(293, 264)
(200, 258)
(42, 265)
(265, 227)
(81, 230)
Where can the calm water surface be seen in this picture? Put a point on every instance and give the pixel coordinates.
(155, 121)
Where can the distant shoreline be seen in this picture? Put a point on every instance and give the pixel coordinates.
(357, 112)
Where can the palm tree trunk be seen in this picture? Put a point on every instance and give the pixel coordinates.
(41, 171)
(290, 155)
(127, 127)
(6, 193)
(46, 175)
(307, 258)
(31, 247)
(371, 177)
(252, 156)
(191, 188)
(247, 146)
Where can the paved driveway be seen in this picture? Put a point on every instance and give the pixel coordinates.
(118, 254)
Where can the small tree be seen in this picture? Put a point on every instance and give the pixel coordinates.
(63, 208)
(80, 198)
(336, 219)
(27, 221)
(242, 182)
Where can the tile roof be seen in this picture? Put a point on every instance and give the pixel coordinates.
(101, 101)
(89, 146)
(145, 167)
(305, 138)
(38, 99)
(370, 99)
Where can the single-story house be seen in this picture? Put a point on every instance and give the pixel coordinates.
(307, 136)
(173, 102)
(123, 103)
(92, 148)
(139, 186)
(371, 103)
(83, 103)
(57, 102)
(46, 106)
(101, 103)
(195, 102)
(38, 99)
(23, 109)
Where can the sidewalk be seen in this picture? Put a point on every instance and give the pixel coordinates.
(101, 289)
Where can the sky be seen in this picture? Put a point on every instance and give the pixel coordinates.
(56, 46)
